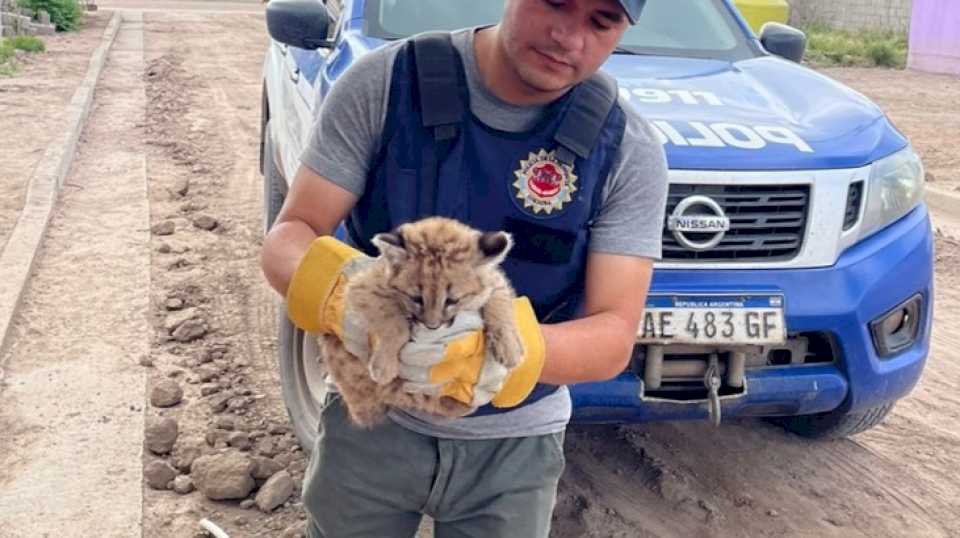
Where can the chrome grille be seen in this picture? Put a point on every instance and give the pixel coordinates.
(766, 222)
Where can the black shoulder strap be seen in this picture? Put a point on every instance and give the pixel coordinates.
(584, 120)
(441, 96)
(438, 81)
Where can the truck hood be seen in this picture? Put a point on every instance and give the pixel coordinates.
(759, 114)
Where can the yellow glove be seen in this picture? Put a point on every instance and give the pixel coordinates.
(315, 296)
(453, 361)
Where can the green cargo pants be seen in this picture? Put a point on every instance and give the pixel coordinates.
(376, 483)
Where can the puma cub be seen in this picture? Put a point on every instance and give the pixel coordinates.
(427, 272)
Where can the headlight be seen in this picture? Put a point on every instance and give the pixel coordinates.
(895, 188)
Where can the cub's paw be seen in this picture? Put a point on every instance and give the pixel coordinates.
(383, 369)
(507, 348)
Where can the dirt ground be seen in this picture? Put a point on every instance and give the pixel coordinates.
(33, 105)
(199, 130)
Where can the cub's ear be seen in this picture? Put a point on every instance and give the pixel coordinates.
(391, 246)
(494, 247)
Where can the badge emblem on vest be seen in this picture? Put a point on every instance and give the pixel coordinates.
(544, 184)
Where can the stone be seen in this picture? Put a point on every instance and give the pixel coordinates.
(223, 476)
(173, 303)
(218, 402)
(209, 388)
(267, 447)
(225, 423)
(178, 318)
(43, 17)
(246, 504)
(275, 492)
(161, 434)
(205, 222)
(166, 227)
(186, 452)
(239, 440)
(183, 484)
(164, 248)
(146, 361)
(190, 330)
(182, 187)
(166, 393)
(265, 467)
(217, 437)
(278, 429)
(159, 474)
(207, 373)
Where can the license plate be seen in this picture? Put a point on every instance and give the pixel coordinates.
(713, 319)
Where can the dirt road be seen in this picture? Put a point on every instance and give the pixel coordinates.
(152, 260)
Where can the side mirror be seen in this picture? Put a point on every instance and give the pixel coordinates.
(299, 23)
(783, 40)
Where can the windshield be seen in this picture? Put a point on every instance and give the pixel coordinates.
(699, 28)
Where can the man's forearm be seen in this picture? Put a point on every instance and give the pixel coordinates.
(592, 348)
(283, 248)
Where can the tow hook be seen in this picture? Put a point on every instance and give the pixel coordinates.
(712, 381)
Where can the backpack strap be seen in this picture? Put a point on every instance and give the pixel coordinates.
(581, 125)
(441, 87)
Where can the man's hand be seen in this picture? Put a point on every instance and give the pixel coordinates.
(455, 362)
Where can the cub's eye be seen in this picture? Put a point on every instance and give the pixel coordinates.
(452, 301)
(418, 300)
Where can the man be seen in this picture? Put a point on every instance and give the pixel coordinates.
(587, 220)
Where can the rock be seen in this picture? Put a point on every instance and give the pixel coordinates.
(190, 330)
(275, 492)
(223, 476)
(239, 440)
(182, 187)
(240, 521)
(159, 474)
(772, 513)
(173, 303)
(178, 318)
(207, 373)
(166, 393)
(166, 227)
(257, 434)
(225, 423)
(284, 459)
(217, 437)
(267, 447)
(205, 222)
(237, 404)
(183, 484)
(209, 388)
(161, 435)
(265, 467)
(218, 402)
(146, 361)
(297, 530)
(285, 444)
(278, 429)
(247, 504)
(186, 452)
(164, 248)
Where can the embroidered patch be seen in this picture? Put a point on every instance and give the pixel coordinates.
(544, 183)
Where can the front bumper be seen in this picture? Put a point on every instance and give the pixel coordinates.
(868, 280)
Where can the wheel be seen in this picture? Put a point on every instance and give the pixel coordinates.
(273, 192)
(835, 424)
(302, 380)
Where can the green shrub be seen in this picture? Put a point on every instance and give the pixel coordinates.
(64, 14)
(828, 47)
(28, 43)
(6, 50)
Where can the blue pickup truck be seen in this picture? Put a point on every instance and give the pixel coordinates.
(797, 275)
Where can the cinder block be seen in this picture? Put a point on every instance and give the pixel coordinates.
(41, 29)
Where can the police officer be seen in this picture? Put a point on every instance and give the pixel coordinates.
(508, 127)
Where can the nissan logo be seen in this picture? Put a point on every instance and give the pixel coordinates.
(701, 215)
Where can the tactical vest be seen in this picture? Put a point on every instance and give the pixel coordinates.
(543, 186)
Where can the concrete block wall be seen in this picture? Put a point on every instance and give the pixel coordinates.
(15, 21)
(889, 15)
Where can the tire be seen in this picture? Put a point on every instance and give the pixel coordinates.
(302, 380)
(835, 424)
(273, 191)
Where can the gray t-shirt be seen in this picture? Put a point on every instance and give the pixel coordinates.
(346, 139)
